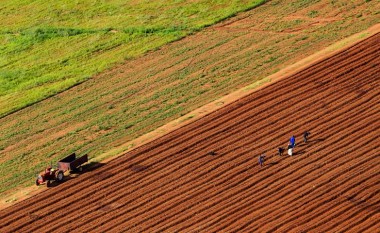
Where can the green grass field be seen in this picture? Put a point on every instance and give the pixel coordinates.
(45, 55)
(48, 47)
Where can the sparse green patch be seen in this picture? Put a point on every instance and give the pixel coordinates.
(363, 35)
(313, 14)
(283, 26)
(11, 200)
(297, 4)
(188, 117)
(257, 83)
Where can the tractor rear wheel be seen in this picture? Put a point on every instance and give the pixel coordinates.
(60, 176)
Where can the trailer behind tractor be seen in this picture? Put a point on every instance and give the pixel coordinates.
(69, 163)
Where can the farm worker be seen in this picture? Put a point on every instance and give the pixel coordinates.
(292, 141)
(280, 151)
(305, 136)
(261, 160)
(290, 150)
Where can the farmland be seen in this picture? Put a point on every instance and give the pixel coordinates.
(175, 183)
(138, 96)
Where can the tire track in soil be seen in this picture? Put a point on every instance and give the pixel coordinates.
(139, 155)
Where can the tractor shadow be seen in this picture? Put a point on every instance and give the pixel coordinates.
(54, 183)
(88, 167)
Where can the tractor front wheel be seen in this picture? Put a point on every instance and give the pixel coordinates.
(37, 183)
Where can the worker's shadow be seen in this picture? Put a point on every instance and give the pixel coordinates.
(271, 164)
(138, 167)
(300, 152)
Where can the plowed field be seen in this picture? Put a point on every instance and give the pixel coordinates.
(176, 183)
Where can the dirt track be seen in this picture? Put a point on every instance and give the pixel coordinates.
(175, 184)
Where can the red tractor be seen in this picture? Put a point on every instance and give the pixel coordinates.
(69, 163)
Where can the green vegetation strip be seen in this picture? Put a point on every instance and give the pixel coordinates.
(47, 47)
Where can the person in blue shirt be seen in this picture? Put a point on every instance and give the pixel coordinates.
(292, 141)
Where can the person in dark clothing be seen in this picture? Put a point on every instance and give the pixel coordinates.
(305, 136)
(261, 160)
(280, 151)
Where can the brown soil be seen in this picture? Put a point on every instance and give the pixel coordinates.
(204, 176)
